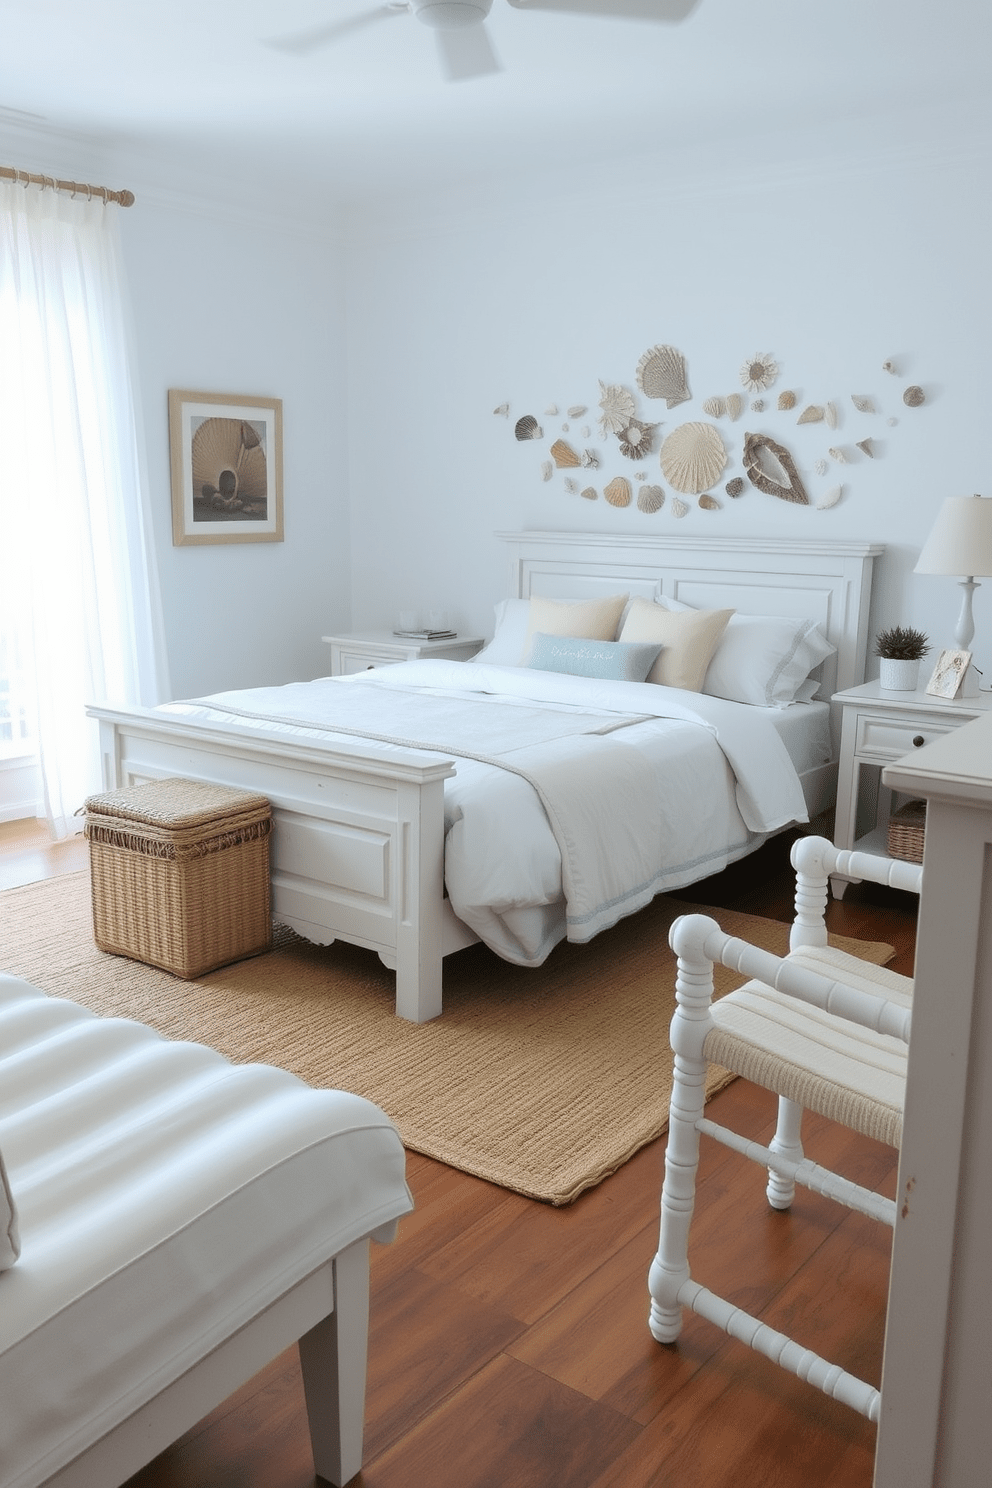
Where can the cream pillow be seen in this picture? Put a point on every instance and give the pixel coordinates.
(688, 639)
(587, 619)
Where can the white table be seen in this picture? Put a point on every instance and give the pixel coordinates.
(881, 726)
(362, 650)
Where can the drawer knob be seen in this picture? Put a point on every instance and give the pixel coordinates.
(918, 740)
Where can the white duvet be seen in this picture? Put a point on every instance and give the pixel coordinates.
(575, 801)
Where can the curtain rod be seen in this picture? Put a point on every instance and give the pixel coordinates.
(77, 188)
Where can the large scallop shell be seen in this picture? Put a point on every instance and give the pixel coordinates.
(914, 396)
(563, 455)
(772, 469)
(528, 428)
(661, 374)
(618, 408)
(650, 498)
(228, 465)
(617, 492)
(693, 457)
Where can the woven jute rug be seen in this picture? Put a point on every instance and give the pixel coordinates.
(543, 1081)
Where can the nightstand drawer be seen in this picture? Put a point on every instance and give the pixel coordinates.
(885, 738)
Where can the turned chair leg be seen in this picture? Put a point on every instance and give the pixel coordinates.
(788, 1141)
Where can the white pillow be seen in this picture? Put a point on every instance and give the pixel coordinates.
(515, 623)
(688, 640)
(763, 659)
(10, 1240)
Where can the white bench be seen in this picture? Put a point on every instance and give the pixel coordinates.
(182, 1220)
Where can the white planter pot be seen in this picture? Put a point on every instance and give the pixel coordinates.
(898, 675)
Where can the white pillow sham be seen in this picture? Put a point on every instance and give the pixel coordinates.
(763, 659)
(518, 619)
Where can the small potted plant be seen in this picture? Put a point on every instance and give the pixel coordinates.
(900, 651)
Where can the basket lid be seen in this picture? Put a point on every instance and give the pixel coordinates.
(176, 802)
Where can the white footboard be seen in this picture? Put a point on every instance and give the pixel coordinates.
(358, 833)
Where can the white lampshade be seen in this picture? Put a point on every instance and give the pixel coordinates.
(961, 539)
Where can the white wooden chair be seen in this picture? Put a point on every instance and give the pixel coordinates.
(820, 1029)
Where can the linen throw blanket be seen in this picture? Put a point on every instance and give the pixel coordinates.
(600, 796)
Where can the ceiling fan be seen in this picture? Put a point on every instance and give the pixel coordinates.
(464, 45)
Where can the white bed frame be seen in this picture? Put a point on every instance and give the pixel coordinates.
(358, 838)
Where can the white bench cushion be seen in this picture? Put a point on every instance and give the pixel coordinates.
(165, 1197)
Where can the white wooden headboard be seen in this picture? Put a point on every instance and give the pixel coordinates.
(830, 582)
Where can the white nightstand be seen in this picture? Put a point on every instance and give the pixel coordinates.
(879, 727)
(361, 650)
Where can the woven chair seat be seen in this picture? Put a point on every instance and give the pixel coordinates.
(826, 1064)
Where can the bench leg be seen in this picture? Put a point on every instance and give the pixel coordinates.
(333, 1356)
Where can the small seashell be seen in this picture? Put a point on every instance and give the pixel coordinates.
(617, 492)
(552, 410)
(589, 459)
(830, 414)
(636, 439)
(528, 428)
(715, 407)
(547, 469)
(735, 487)
(618, 408)
(889, 365)
(772, 469)
(830, 498)
(590, 493)
(821, 467)
(866, 445)
(813, 414)
(503, 409)
(914, 396)
(863, 403)
(709, 503)
(571, 486)
(735, 405)
(891, 422)
(758, 405)
(787, 400)
(679, 508)
(661, 374)
(838, 455)
(759, 372)
(585, 431)
(563, 455)
(693, 457)
(650, 498)
(640, 475)
(577, 410)
(564, 428)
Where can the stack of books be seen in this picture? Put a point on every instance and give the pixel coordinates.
(426, 635)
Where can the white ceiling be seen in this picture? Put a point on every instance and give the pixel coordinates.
(197, 83)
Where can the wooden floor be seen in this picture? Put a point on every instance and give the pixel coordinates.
(509, 1344)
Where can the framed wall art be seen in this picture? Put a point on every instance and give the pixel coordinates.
(948, 674)
(226, 457)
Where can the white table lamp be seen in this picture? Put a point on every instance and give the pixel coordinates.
(961, 543)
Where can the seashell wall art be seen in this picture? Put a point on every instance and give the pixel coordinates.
(693, 457)
(772, 469)
(661, 374)
(563, 455)
(618, 408)
(636, 439)
(617, 492)
(650, 498)
(528, 428)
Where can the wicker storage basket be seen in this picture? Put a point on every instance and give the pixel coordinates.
(180, 874)
(906, 831)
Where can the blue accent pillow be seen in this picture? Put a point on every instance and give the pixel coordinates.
(617, 661)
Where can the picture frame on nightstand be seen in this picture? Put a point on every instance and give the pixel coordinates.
(948, 674)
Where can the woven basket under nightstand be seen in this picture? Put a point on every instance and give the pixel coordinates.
(907, 828)
(180, 874)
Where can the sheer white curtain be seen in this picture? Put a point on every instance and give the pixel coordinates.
(79, 612)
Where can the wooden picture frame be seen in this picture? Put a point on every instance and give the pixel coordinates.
(226, 456)
(948, 674)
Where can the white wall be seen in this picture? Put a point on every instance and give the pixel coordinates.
(832, 252)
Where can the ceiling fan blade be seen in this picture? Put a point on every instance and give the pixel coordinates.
(302, 42)
(631, 10)
(466, 52)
